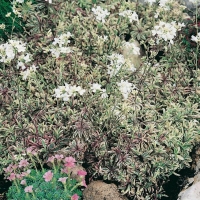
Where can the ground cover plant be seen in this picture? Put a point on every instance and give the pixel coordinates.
(86, 78)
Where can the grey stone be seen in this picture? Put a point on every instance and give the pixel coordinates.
(191, 193)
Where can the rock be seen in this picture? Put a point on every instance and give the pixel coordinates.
(192, 193)
(98, 190)
(130, 57)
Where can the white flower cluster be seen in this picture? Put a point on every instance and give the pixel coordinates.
(67, 91)
(116, 62)
(62, 40)
(166, 31)
(133, 47)
(132, 15)
(97, 87)
(196, 38)
(8, 52)
(125, 88)
(9, 49)
(100, 13)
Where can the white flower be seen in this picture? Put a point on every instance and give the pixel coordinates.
(56, 41)
(165, 31)
(16, 12)
(66, 97)
(7, 53)
(25, 74)
(132, 15)
(157, 14)
(55, 52)
(104, 38)
(25, 58)
(116, 62)
(125, 88)
(59, 92)
(100, 13)
(20, 64)
(2, 26)
(65, 92)
(104, 94)
(62, 39)
(21, 47)
(116, 59)
(95, 87)
(196, 38)
(180, 25)
(33, 68)
(50, 1)
(65, 50)
(8, 14)
(80, 90)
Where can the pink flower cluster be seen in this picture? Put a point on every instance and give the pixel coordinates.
(11, 170)
(69, 163)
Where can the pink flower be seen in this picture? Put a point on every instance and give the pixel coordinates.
(81, 173)
(51, 159)
(48, 176)
(9, 169)
(14, 166)
(74, 197)
(19, 176)
(59, 157)
(70, 159)
(23, 163)
(83, 183)
(12, 177)
(23, 182)
(26, 173)
(65, 170)
(30, 150)
(28, 189)
(69, 162)
(63, 180)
